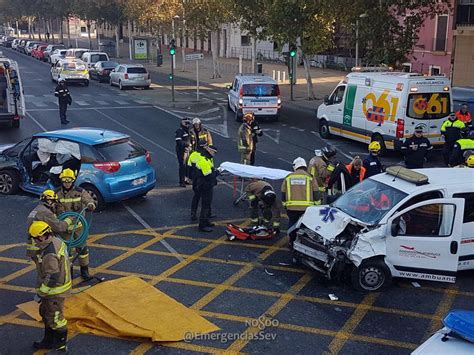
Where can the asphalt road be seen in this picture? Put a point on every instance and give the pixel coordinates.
(229, 283)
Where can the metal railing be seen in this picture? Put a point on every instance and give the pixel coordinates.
(465, 15)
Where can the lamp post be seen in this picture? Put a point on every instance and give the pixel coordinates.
(174, 37)
(357, 38)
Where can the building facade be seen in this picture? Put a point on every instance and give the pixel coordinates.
(463, 59)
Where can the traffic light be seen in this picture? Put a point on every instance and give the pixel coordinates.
(172, 47)
(170, 76)
(292, 50)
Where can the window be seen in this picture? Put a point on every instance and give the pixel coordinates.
(137, 70)
(78, 54)
(83, 29)
(441, 33)
(337, 95)
(425, 196)
(428, 105)
(244, 41)
(98, 57)
(120, 150)
(234, 86)
(434, 70)
(88, 154)
(435, 220)
(468, 206)
(260, 90)
(406, 67)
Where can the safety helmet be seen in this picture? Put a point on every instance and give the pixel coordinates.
(328, 151)
(248, 117)
(39, 228)
(67, 175)
(61, 80)
(49, 195)
(299, 163)
(196, 121)
(374, 146)
(268, 196)
(470, 161)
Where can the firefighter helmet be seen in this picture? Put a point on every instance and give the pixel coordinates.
(39, 228)
(49, 195)
(374, 146)
(470, 161)
(67, 174)
(299, 163)
(248, 117)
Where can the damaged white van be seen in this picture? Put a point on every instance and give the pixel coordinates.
(416, 224)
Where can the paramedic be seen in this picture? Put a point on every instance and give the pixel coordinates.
(464, 115)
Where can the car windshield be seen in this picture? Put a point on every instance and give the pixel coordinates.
(98, 57)
(136, 70)
(369, 201)
(260, 90)
(428, 105)
(109, 64)
(120, 150)
(78, 54)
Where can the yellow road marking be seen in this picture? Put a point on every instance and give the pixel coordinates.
(14, 260)
(18, 273)
(443, 307)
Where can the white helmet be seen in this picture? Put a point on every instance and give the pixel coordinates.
(61, 80)
(196, 120)
(299, 163)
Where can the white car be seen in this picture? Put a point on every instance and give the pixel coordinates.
(70, 69)
(90, 58)
(57, 54)
(76, 52)
(414, 224)
(130, 75)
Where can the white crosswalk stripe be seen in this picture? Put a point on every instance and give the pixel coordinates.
(82, 103)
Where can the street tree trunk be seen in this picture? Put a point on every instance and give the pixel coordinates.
(61, 30)
(309, 82)
(88, 24)
(17, 30)
(215, 57)
(68, 28)
(50, 29)
(29, 27)
(97, 30)
(117, 41)
(254, 54)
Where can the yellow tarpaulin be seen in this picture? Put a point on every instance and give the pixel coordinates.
(128, 307)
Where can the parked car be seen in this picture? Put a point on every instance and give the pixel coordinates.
(101, 70)
(70, 69)
(90, 58)
(130, 75)
(56, 55)
(112, 167)
(7, 42)
(76, 52)
(50, 49)
(21, 46)
(29, 47)
(38, 51)
(15, 43)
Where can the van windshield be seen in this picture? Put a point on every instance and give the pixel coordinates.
(369, 201)
(428, 105)
(98, 57)
(261, 90)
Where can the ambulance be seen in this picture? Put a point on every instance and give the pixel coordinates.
(385, 106)
(12, 99)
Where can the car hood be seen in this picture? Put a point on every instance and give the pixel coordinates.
(327, 221)
(5, 146)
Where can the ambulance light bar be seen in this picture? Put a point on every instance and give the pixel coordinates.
(407, 175)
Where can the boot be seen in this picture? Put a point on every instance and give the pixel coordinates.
(60, 339)
(85, 273)
(47, 342)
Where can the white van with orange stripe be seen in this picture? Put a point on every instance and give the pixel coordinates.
(386, 106)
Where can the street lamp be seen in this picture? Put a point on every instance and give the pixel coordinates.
(357, 37)
(172, 26)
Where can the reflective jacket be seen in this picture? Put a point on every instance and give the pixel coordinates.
(255, 191)
(54, 277)
(321, 170)
(63, 94)
(460, 147)
(74, 200)
(183, 140)
(452, 130)
(466, 118)
(300, 190)
(43, 213)
(357, 175)
(205, 174)
(203, 137)
(245, 141)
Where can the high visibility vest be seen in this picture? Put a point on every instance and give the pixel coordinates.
(298, 191)
(205, 165)
(362, 171)
(465, 143)
(466, 118)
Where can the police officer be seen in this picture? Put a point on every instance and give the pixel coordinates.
(64, 99)
(205, 176)
(183, 148)
(245, 139)
(372, 163)
(416, 148)
(256, 132)
(75, 199)
(451, 131)
(461, 147)
(321, 167)
(53, 285)
(261, 194)
(199, 135)
(298, 191)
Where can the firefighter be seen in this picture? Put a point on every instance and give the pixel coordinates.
(461, 147)
(451, 132)
(64, 99)
(53, 285)
(356, 170)
(464, 115)
(298, 191)
(469, 163)
(205, 176)
(183, 148)
(245, 142)
(372, 163)
(75, 199)
(321, 167)
(416, 148)
(261, 194)
(256, 132)
(199, 135)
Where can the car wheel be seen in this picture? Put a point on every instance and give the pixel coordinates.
(120, 85)
(86, 83)
(378, 138)
(9, 182)
(229, 107)
(147, 87)
(16, 123)
(324, 129)
(372, 275)
(96, 196)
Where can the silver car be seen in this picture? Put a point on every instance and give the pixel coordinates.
(130, 75)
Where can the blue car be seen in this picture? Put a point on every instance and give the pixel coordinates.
(110, 165)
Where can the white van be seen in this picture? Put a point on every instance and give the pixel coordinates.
(386, 107)
(76, 52)
(90, 58)
(256, 93)
(415, 224)
(12, 100)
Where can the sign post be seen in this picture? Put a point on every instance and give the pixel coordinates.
(197, 57)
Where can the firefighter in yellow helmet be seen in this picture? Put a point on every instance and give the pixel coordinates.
(262, 196)
(372, 163)
(75, 199)
(321, 166)
(53, 285)
(470, 161)
(245, 141)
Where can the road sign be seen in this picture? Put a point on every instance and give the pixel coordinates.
(194, 56)
(141, 48)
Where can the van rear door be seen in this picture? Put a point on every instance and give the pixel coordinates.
(261, 98)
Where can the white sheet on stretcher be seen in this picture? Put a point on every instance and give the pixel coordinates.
(257, 172)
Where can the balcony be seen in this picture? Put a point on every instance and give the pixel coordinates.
(465, 16)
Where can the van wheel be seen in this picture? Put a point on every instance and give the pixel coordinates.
(324, 129)
(96, 196)
(9, 182)
(371, 275)
(378, 138)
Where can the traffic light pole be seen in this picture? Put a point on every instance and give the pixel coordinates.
(292, 73)
(172, 78)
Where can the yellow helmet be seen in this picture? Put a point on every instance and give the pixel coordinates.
(67, 174)
(49, 195)
(39, 228)
(374, 146)
(470, 161)
(248, 117)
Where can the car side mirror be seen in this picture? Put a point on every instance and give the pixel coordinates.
(326, 100)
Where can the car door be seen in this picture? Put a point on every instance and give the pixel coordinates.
(114, 73)
(423, 240)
